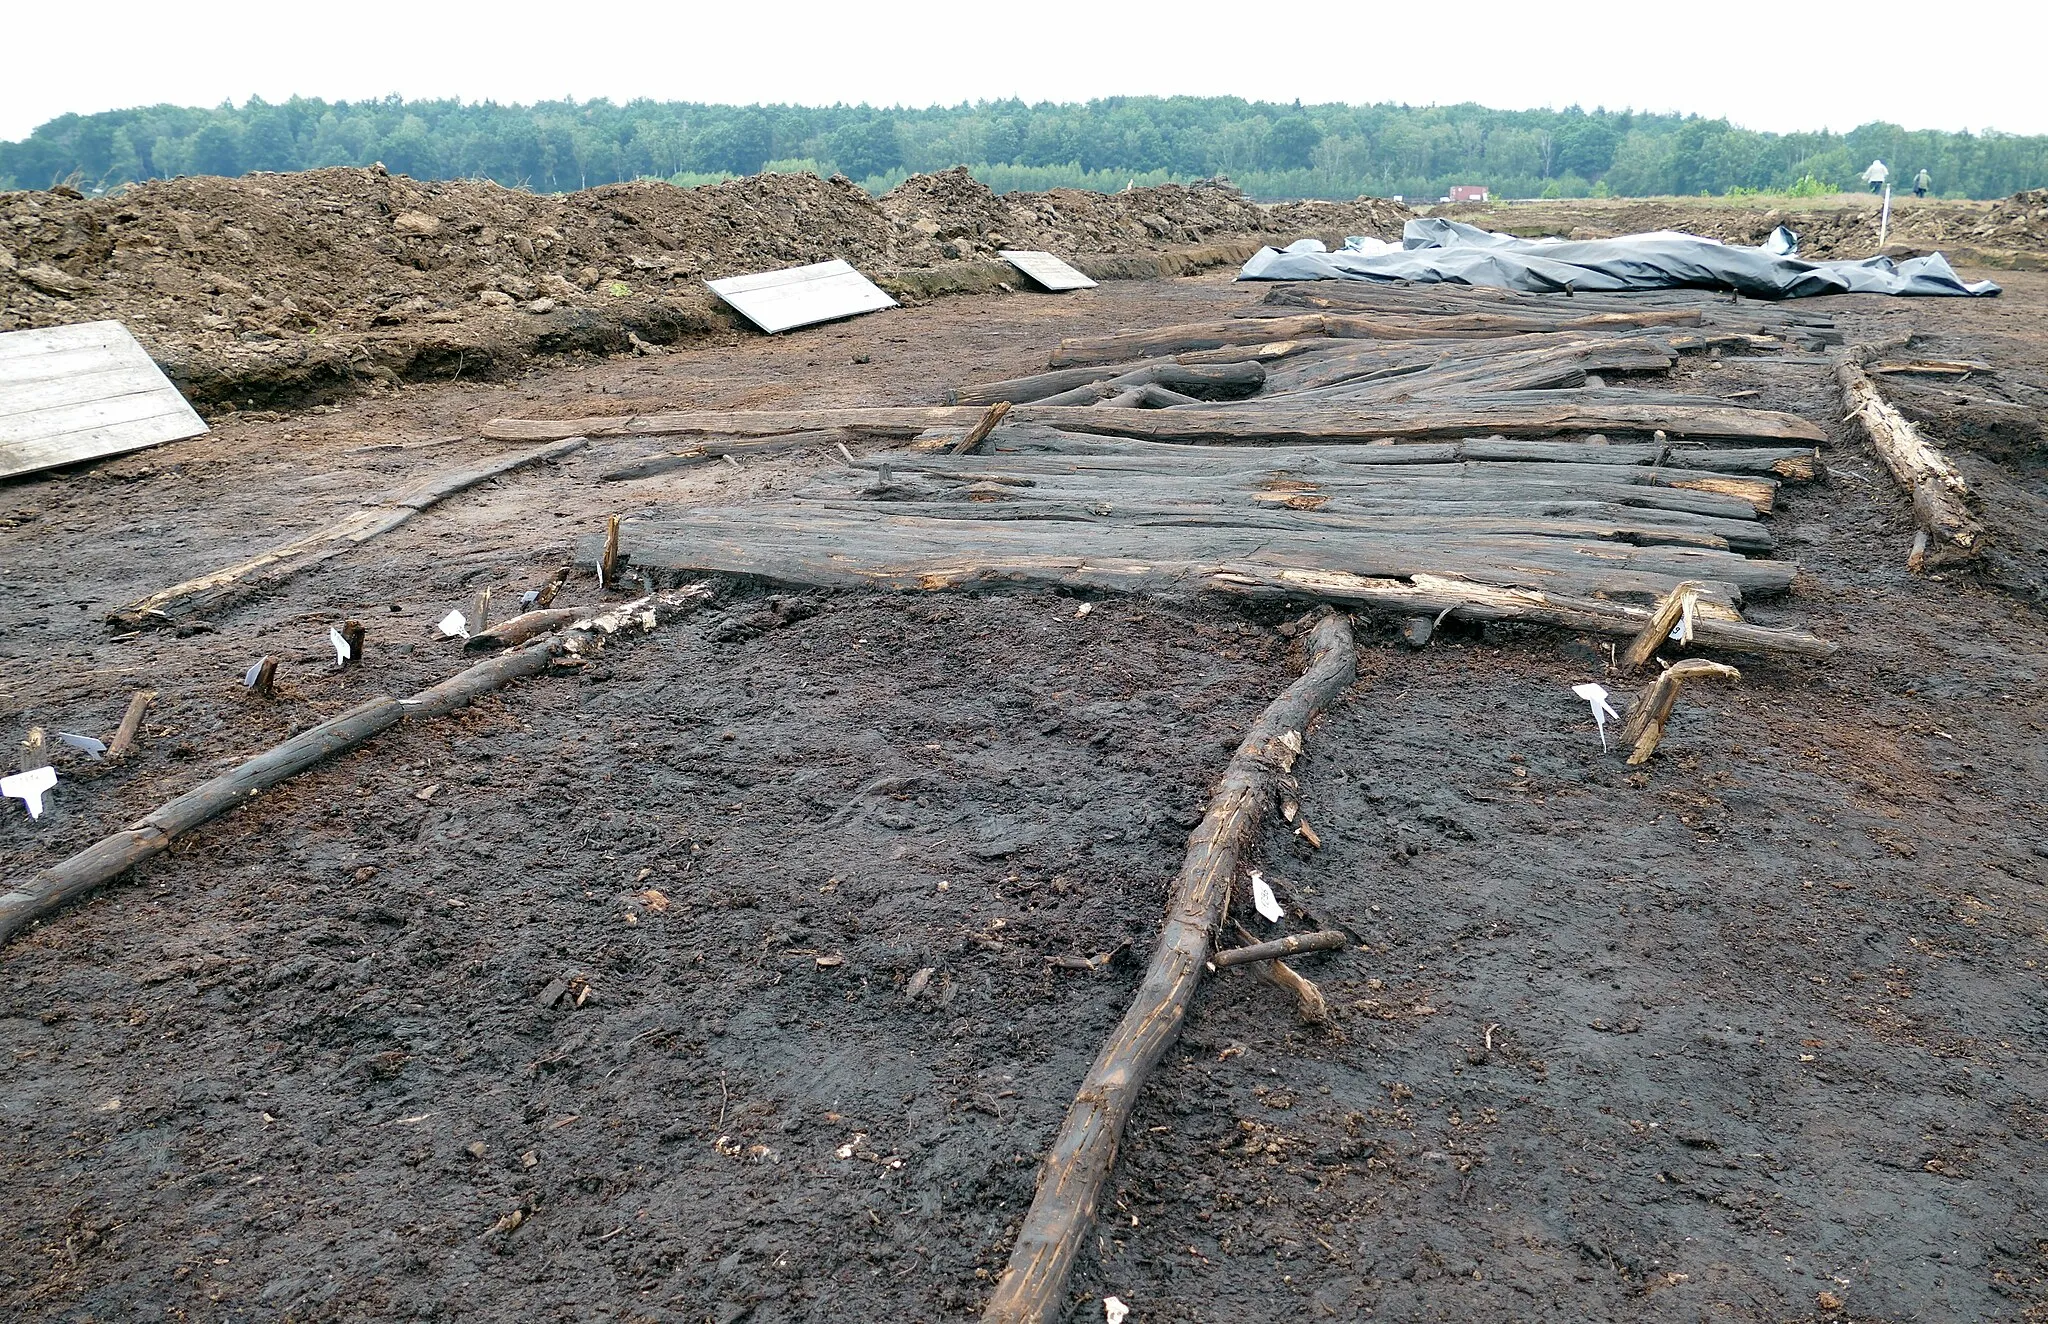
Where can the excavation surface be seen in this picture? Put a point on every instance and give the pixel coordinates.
(1750, 1033)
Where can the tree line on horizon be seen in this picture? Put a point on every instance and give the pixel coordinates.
(1269, 150)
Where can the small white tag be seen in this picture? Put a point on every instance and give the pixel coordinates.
(454, 624)
(249, 676)
(91, 747)
(1596, 697)
(1264, 901)
(1114, 1310)
(340, 646)
(28, 787)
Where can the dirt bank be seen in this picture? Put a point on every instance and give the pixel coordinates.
(271, 288)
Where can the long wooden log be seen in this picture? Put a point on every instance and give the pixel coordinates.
(1512, 414)
(1168, 340)
(1032, 1289)
(50, 889)
(1940, 496)
(1460, 599)
(210, 592)
(1206, 381)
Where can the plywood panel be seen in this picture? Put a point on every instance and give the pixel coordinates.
(72, 393)
(1046, 269)
(799, 296)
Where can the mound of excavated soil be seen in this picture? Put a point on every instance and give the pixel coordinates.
(271, 285)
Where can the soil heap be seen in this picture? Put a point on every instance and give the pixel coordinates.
(271, 285)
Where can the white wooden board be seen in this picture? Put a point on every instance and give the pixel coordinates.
(1046, 269)
(798, 296)
(71, 393)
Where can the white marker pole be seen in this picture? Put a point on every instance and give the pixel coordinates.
(1884, 219)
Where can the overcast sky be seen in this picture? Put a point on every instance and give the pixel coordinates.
(1820, 64)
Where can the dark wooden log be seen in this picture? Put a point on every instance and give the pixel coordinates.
(51, 889)
(1325, 940)
(1032, 1289)
(1939, 494)
(1170, 340)
(131, 723)
(979, 432)
(69, 879)
(1647, 717)
(1149, 396)
(1222, 381)
(1512, 414)
(708, 451)
(210, 592)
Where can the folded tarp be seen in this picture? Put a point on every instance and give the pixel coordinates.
(1436, 250)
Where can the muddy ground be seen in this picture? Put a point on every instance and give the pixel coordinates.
(1749, 1034)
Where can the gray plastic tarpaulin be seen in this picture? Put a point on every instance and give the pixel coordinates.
(1436, 250)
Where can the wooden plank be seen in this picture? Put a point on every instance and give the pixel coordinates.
(103, 383)
(54, 339)
(1046, 269)
(800, 296)
(81, 392)
(65, 362)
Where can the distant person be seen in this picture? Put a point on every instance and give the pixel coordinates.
(1878, 173)
(1921, 183)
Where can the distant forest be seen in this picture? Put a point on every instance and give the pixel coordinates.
(1269, 150)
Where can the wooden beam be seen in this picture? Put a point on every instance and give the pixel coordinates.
(1648, 715)
(210, 592)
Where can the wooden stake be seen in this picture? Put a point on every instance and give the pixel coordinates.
(35, 751)
(266, 677)
(1033, 1288)
(131, 722)
(1644, 725)
(352, 634)
(1324, 940)
(979, 432)
(480, 614)
(608, 563)
(1662, 621)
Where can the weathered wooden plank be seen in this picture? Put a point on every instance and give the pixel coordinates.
(211, 591)
(800, 296)
(80, 392)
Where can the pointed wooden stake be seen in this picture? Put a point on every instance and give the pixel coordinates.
(1644, 726)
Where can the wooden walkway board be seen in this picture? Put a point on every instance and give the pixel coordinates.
(1046, 269)
(71, 393)
(798, 296)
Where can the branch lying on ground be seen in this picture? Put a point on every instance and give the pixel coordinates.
(51, 889)
(1070, 1180)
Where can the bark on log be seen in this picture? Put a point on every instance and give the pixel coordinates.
(49, 890)
(1032, 1289)
(1511, 414)
(1648, 715)
(1940, 496)
(520, 628)
(131, 722)
(1170, 340)
(210, 592)
(1324, 940)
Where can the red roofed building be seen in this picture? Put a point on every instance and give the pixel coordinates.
(1468, 193)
